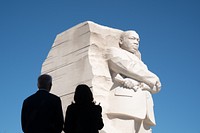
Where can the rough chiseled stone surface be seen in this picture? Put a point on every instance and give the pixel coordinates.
(76, 57)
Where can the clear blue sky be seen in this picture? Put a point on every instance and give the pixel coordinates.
(170, 44)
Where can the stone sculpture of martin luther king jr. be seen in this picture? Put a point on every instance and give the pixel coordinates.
(130, 100)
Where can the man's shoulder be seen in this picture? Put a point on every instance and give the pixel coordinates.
(114, 51)
(30, 97)
(54, 96)
(43, 93)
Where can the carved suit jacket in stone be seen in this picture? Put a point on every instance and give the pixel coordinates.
(125, 63)
(140, 104)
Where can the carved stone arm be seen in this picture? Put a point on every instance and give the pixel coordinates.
(131, 68)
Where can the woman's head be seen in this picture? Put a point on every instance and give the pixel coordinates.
(83, 94)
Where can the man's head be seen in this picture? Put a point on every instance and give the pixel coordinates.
(129, 41)
(45, 82)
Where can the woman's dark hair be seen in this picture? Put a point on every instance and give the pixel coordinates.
(83, 94)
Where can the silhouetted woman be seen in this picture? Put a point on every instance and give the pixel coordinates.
(83, 116)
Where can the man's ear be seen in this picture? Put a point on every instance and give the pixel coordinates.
(38, 85)
(50, 85)
(120, 41)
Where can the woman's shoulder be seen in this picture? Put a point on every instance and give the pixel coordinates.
(71, 106)
(98, 108)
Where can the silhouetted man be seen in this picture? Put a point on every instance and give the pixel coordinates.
(42, 111)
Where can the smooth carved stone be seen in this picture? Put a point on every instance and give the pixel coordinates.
(80, 55)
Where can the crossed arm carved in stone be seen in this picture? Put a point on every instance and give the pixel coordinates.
(127, 67)
(130, 71)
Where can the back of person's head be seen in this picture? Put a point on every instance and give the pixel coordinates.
(45, 82)
(83, 94)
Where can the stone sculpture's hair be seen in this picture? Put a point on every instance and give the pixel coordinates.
(125, 34)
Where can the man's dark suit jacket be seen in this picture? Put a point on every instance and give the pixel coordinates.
(42, 113)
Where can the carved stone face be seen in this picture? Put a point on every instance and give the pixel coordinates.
(130, 41)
